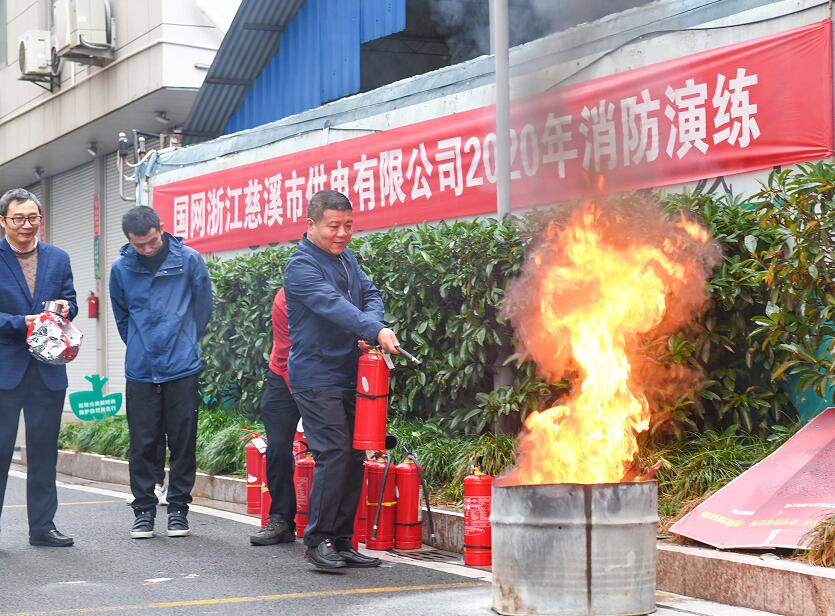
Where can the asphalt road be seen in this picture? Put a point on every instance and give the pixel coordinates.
(216, 571)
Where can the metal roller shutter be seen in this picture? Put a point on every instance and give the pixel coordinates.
(35, 189)
(71, 228)
(114, 239)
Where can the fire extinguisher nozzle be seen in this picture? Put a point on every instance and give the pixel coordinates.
(408, 355)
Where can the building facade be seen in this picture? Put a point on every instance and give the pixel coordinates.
(298, 84)
(60, 114)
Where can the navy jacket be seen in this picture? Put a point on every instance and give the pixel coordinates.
(331, 304)
(53, 281)
(161, 316)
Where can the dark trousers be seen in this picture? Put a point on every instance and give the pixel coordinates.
(170, 409)
(328, 416)
(280, 415)
(42, 414)
(159, 474)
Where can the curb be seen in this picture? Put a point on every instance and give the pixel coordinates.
(778, 586)
(783, 587)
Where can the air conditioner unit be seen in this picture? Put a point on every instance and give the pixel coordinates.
(83, 30)
(35, 54)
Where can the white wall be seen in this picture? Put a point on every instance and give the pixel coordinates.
(157, 45)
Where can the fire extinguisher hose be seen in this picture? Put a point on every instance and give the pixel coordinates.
(413, 456)
(380, 500)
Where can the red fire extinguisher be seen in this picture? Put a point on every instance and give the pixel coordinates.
(372, 401)
(305, 465)
(478, 545)
(381, 503)
(255, 448)
(361, 519)
(266, 499)
(92, 305)
(408, 520)
(299, 440)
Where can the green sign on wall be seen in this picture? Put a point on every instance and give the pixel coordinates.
(94, 405)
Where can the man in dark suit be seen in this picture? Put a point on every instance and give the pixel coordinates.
(31, 272)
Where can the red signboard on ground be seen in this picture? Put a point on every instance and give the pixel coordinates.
(729, 110)
(774, 503)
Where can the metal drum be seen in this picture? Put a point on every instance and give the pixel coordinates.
(574, 550)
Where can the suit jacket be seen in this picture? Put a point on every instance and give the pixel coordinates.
(54, 281)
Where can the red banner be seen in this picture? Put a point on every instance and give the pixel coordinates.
(776, 502)
(729, 110)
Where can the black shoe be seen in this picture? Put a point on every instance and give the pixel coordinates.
(277, 530)
(355, 560)
(143, 525)
(51, 538)
(324, 556)
(178, 524)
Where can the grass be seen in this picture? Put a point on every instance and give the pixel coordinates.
(690, 468)
(219, 447)
(703, 463)
(822, 543)
(448, 458)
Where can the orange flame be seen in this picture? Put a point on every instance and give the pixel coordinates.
(596, 293)
(694, 230)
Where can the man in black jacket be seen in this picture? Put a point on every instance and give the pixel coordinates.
(331, 305)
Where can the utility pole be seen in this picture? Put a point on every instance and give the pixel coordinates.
(499, 43)
(499, 38)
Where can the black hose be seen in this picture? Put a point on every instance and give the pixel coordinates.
(380, 500)
(413, 456)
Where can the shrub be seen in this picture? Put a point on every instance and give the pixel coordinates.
(219, 447)
(442, 287)
(770, 315)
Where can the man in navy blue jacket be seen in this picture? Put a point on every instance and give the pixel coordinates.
(31, 273)
(162, 302)
(331, 305)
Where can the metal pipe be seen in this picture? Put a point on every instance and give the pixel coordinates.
(499, 38)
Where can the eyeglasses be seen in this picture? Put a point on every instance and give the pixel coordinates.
(18, 221)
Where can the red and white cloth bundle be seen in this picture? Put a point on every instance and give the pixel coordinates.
(52, 339)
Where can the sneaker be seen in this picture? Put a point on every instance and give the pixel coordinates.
(143, 525)
(161, 492)
(324, 556)
(277, 530)
(178, 524)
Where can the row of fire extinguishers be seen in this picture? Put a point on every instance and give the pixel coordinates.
(389, 514)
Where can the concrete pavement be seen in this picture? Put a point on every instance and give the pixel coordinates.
(216, 571)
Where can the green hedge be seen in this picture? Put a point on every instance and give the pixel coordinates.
(690, 468)
(443, 286)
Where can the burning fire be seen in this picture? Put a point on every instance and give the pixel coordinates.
(589, 290)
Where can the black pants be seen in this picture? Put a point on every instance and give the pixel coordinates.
(159, 473)
(328, 416)
(42, 414)
(280, 415)
(171, 409)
